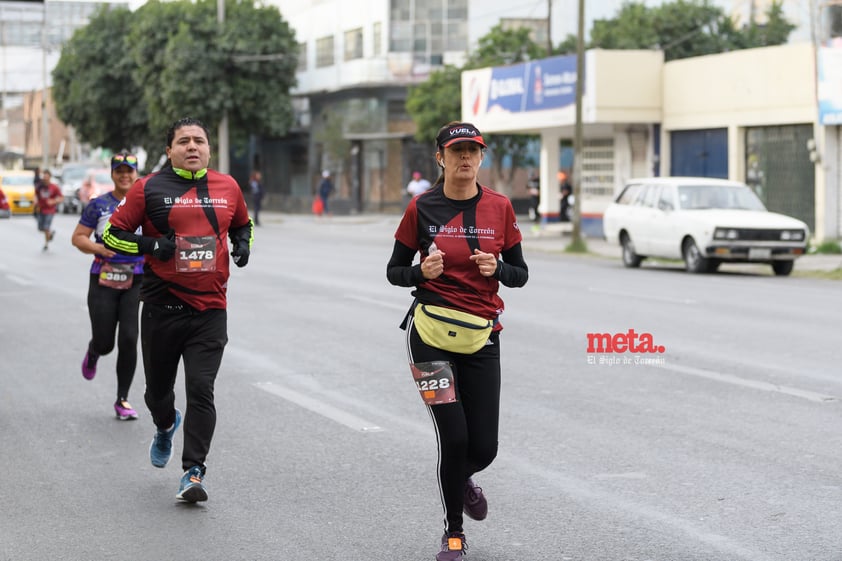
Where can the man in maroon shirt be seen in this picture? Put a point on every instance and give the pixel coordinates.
(186, 212)
(47, 198)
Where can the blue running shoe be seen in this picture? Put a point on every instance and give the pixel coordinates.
(160, 450)
(192, 489)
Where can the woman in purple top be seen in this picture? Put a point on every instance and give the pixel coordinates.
(114, 288)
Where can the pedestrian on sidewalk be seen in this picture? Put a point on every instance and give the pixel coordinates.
(469, 241)
(186, 211)
(257, 193)
(326, 189)
(113, 287)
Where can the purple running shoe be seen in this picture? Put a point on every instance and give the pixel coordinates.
(89, 365)
(124, 410)
(453, 547)
(474, 503)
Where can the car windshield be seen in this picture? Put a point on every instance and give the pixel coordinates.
(697, 197)
(102, 177)
(73, 174)
(18, 180)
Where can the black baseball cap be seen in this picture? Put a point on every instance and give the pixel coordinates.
(459, 132)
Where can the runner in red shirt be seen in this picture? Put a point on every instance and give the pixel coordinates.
(187, 213)
(470, 243)
(47, 198)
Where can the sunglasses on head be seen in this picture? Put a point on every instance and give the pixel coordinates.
(127, 158)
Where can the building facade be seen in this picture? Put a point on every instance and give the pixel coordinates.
(357, 59)
(755, 115)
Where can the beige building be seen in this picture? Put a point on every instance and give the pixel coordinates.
(59, 137)
(750, 115)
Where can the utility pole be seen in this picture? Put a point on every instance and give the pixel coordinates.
(224, 165)
(45, 128)
(576, 242)
(549, 28)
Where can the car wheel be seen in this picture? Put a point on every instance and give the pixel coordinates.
(630, 258)
(693, 260)
(783, 268)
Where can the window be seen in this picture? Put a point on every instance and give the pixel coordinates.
(629, 194)
(598, 167)
(324, 52)
(427, 28)
(302, 58)
(354, 44)
(650, 197)
(377, 32)
(667, 200)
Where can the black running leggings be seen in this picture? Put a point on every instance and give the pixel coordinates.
(198, 338)
(466, 430)
(108, 308)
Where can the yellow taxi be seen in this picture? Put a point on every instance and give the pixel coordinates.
(19, 187)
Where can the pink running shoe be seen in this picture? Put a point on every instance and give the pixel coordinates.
(89, 365)
(124, 410)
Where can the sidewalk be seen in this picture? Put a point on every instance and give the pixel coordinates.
(555, 237)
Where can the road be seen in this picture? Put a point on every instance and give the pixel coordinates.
(726, 448)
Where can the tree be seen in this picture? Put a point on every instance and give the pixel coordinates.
(438, 101)
(92, 83)
(435, 102)
(686, 28)
(173, 59)
(498, 47)
(505, 46)
(775, 31)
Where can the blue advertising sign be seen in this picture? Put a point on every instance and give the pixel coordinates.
(533, 86)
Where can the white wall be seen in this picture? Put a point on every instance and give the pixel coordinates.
(770, 85)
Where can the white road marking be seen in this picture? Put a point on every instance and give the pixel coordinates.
(19, 280)
(754, 384)
(342, 417)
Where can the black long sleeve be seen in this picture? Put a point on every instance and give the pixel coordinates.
(512, 270)
(400, 271)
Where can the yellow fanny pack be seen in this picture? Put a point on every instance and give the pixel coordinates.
(451, 330)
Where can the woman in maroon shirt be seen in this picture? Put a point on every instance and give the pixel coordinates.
(470, 243)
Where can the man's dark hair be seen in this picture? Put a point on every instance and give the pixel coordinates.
(185, 122)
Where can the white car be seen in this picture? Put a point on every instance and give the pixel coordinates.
(704, 221)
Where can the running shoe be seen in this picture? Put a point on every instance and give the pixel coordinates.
(474, 504)
(52, 235)
(160, 450)
(192, 488)
(89, 365)
(453, 547)
(124, 410)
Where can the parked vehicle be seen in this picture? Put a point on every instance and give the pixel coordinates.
(97, 182)
(5, 211)
(72, 176)
(704, 221)
(19, 187)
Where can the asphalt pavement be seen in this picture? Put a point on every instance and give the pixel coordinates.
(722, 445)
